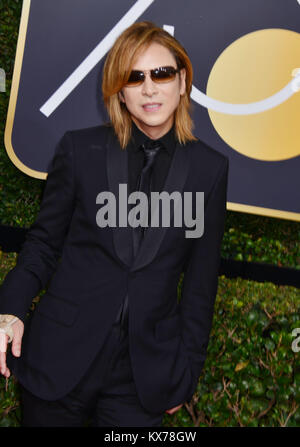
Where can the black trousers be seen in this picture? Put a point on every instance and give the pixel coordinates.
(105, 397)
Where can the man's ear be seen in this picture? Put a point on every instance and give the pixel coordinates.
(182, 81)
(121, 96)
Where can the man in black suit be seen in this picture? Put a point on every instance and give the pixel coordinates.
(109, 338)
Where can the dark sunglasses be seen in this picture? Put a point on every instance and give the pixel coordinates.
(158, 75)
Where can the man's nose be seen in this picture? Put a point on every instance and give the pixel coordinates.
(149, 87)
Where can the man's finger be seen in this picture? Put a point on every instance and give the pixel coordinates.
(174, 409)
(16, 345)
(6, 372)
(3, 341)
(3, 362)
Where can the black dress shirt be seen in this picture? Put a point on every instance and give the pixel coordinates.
(159, 174)
(162, 161)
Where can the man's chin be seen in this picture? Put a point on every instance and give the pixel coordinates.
(152, 123)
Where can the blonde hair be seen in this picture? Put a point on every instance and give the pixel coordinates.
(117, 68)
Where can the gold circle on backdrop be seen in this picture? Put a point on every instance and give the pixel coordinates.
(251, 69)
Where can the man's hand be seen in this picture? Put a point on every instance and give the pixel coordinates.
(173, 410)
(18, 330)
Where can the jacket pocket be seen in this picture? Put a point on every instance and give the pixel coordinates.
(168, 327)
(58, 309)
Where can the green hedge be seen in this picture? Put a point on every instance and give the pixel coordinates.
(251, 376)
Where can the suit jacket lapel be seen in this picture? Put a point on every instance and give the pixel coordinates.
(117, 171)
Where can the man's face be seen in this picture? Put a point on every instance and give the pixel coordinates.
(152, 105)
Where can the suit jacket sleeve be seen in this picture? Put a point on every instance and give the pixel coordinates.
(44, 240)
(201, 274)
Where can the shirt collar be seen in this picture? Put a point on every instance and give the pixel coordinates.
(138, 138)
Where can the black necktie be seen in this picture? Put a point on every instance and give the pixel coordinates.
(151, 149)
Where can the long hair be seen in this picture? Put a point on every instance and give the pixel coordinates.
(117, 68)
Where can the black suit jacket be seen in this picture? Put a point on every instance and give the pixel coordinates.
(88, 270)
